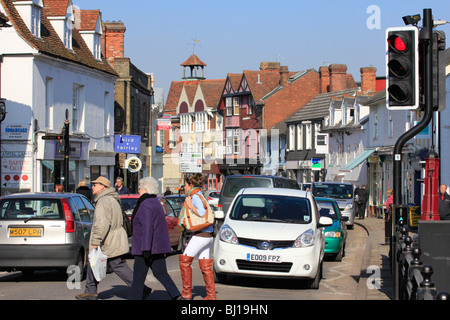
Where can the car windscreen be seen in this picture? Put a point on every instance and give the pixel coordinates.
(128, 204)
(271, 208)
(176, 202)
(327, 209)
(337, 191)
(233, 185)
(23, 209)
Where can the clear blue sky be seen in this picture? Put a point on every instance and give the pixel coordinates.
(237, 35)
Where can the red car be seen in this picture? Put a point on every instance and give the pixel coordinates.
(128, 202)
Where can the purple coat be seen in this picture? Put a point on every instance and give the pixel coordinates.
(150, 231)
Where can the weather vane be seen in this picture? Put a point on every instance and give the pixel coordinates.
(195, 43)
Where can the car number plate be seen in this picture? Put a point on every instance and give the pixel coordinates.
(263, 258)
(25, 232)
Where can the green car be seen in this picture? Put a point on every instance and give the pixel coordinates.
(336, 234)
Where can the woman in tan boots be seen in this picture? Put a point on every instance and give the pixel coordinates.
(200, 243)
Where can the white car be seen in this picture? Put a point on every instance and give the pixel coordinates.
(212, 196)
(269, 232)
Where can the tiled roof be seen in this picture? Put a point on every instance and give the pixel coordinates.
(318, 107)
(50, 43)
(193, 60)
(88, 19)
(262, 82)
(56, 8)
(211, 90)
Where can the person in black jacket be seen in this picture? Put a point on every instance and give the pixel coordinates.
(84, 190)
(444, 203)
(363, 196)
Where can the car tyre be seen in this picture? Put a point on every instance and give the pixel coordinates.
(338, 257)
(314, 283)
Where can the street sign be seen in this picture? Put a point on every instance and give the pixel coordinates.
(191, 162)
(127, 144)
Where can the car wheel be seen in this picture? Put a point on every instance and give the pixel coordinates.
(314, 283)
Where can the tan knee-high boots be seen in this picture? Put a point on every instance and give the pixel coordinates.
(208, 276)
(186, 275)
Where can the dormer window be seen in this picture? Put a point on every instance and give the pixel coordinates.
(68, 34)
(36, 21)
(97, 47)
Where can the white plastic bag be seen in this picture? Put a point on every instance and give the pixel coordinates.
(98, 260)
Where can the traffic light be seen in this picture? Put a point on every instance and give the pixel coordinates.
(402, 68)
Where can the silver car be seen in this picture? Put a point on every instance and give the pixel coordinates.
(44, 231)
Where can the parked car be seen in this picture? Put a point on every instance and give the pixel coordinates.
(336, 234)
(44, 231)
(343, 193)
(234, 183)
(176, 202)
(271, 232)
(212, 196)
(128, 202)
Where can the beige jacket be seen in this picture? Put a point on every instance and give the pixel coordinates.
(107, 230)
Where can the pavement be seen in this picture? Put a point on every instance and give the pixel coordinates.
(375, 282)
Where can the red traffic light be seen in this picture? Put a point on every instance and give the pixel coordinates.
(399, 42)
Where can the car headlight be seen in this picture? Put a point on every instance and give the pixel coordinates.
(333, 234)
(349, 206)
(306, 239)
(228, 235)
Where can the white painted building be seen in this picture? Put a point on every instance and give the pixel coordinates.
(51, 64)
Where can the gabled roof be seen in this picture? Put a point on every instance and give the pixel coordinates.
(56, 8)
(50, 43)
(212, 91)
(88, 20)
(318, 107)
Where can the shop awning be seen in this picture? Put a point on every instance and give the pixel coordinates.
(357, 161)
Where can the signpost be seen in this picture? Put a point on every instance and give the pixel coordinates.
(191, 162)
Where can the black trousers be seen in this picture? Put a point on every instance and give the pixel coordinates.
(361, 209)
(159, 269)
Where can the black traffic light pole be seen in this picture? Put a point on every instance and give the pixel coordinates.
(66, 152)
(426, 36)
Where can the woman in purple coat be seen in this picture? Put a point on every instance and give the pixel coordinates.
(150, 242)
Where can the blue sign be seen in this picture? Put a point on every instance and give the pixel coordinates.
(127, 144)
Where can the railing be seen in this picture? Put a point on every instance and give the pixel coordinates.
(414, 278)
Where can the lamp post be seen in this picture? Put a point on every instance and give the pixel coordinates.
(2, 117)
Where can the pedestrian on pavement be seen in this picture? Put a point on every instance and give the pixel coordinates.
(120, 188)
(444, 203)
(59, 187)
(108, 233)
(200, 243)
(389, 201)
(363, 196)
(150, 242)
(84, 190)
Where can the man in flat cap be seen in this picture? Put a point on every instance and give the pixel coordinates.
(108, 233)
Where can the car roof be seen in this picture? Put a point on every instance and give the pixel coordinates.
(331, 182)
(275, 191)
(256, 176)
(324, 199)
(40, 195)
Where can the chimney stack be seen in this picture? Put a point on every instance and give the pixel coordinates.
(269, 66)
(338, 77)
(324, 76)
(284, 76)
(113, 40)
(368, 79)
